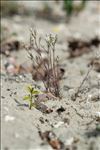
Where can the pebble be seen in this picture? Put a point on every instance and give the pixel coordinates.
(60, 123)
(9, 118)
(98, 114)
(69, 141)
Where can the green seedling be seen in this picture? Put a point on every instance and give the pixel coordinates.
(31, 96)
(70, 8)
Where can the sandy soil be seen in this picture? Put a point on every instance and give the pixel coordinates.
(19, 125)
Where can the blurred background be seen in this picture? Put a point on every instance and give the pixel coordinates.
(77, 26)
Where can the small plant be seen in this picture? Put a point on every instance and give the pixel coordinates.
(85, 79)
(50, 65)
(32, 95)
(81, 84)
(70, 8)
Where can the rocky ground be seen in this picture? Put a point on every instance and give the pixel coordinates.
(73, 125)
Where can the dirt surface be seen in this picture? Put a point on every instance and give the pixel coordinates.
(76, 125)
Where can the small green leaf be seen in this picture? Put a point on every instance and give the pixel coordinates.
(35, 92)
(31, 96)
(29, 88)
(27, 97)
(33, 105)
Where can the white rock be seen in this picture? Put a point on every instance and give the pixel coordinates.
(11, 69)
(98, 114)
(98, 76)
(69, 141)
(9, 118)
(89, 96)
(60, 123)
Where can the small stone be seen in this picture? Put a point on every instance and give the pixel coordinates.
(97, 114)
(69, 141)
(9, 118)
(60, 123)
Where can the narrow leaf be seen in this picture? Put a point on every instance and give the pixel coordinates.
(35, 92)
(27, 97)
(29, 88)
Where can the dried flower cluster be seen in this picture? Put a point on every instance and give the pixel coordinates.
(49, 64)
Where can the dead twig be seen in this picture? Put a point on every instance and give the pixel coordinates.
(85, 78)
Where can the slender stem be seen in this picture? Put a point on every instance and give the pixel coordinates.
(30, 101)
(76, 94)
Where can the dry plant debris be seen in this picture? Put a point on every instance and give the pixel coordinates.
(60, 110)
(9, 45)
(76, 93)
(47, 69)
(42, 74)
(96, 64)
(79, 47)
(13, 68)
(51, 138)
(56, 143)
